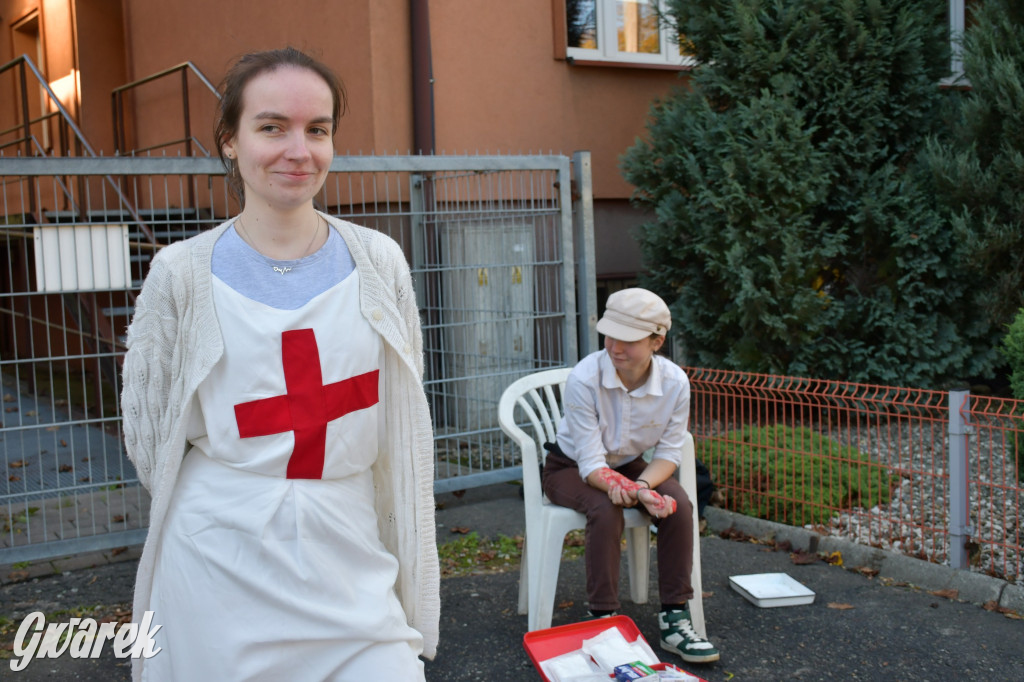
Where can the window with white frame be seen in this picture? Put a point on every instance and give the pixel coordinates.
(625, 31)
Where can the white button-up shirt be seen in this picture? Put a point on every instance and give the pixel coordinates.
(607, 425)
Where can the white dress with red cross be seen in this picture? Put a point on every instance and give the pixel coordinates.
(271, 566)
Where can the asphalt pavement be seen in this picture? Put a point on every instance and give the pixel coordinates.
(880, 616)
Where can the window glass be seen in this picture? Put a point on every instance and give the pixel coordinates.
(637, 27)
(619, 32)
(581, 20)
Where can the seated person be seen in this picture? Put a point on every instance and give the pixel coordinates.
(620, 402)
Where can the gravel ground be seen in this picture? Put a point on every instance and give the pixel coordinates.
(915, 520)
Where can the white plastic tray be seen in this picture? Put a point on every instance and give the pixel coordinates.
(771, 589)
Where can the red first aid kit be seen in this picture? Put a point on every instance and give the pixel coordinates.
(541, 645)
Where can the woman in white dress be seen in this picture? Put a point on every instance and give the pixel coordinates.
(273, 406)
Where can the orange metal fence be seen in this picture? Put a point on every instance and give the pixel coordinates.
(932, 474)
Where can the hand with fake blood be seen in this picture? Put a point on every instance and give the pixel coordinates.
(621, 490)
(658, 506)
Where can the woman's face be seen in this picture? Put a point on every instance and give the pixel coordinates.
(632, 358)
(283, 145)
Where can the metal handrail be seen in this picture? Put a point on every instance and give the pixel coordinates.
(117, 106)
(169, 143)
(31, 121)
(26, 63)
(160, 74)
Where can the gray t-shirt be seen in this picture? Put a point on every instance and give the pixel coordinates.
(281, 284)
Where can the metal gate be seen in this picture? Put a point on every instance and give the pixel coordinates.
(502, 262)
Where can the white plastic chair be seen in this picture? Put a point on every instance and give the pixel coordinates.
(538, 397)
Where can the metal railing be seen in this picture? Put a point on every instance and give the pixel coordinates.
(118, 109)
(935, 475)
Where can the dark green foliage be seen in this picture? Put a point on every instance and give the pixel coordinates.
(980, 171)
(793, 229)
(793, 475)
(1013, 351)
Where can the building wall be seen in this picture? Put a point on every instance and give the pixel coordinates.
(100, 58)
(500, 88)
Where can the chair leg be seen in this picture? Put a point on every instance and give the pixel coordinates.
(543, 566)
(524, 588)
(638, 556)
(697, 602)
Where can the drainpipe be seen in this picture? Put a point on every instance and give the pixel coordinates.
(422, 79)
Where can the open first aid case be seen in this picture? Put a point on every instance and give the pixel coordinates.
(542, 645)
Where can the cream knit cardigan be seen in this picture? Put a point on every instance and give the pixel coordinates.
(173, 342)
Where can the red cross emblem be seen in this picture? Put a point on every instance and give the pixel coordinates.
(307, 406)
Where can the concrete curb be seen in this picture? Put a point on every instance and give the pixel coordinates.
(16, 573)
(971, 587)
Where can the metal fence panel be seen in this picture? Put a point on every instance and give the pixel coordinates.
(886, 457)
(489, 239)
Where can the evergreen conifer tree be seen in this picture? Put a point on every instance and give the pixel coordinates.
(792, 230)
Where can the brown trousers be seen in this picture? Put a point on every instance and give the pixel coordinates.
(603, 536)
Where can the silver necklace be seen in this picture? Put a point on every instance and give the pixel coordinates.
(277, 268)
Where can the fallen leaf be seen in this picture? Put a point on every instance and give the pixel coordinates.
(835, 559)
(30, 413)
(893, 582)
(84, 479)
(119, 518)
(12, 478)
(63, 443)
(66, 467)
(1006, 611)
(564, 604)
(10, 409)
(574, 540)
(867, 570)
(839, 605)
(733, 534)
(53, 428)
(15, 576)
(458, 493)
(118, 550)
(784, 546)
(8, 398)
(17, 464)
(462, 530)
(800, 557)
(946, 594)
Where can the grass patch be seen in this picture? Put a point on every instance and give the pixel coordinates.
(472, 555)
(793, 475)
